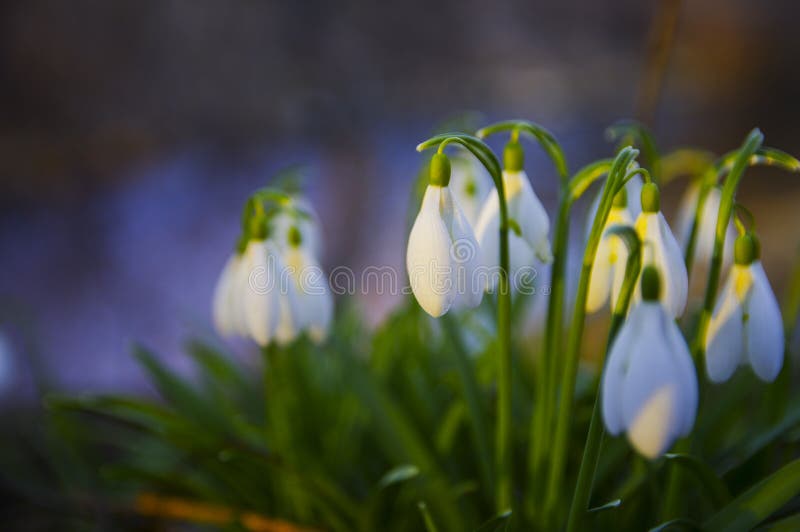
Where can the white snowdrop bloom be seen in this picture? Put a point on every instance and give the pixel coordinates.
(442, 255)
(267, 302)
(633, 191)
(706, 228)
(526, 210)
(226, 314)
(660, 244)
(746, 326)
(313, 301)
(649, 388)
(471, 184)
(608, 269)
(307, 223)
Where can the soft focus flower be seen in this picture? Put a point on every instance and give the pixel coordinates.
(608, 269)
(660, 244)
(269, 304)
(225, 312)
(706, 228)
(442, 252)
(649, 387)
(470, 184)
(313, 302)
(525, 209)
(746, 326)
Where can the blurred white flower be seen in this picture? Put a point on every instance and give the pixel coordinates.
(649, 387)
(269, 304)
(660, 246)
(746, 326)
(527, 211)
(313, 302)
(706, 229)
(471, 184)
(227, 318)
(608, 269)
(442, 255)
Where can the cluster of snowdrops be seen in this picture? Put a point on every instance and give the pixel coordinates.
(480, 223)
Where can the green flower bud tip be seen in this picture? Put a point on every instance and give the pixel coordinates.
(651, 283)
(513, 157)
(746, 249)
(440, 170)
(294, 237)
(257, 228)
(621, 198)
(651, 198)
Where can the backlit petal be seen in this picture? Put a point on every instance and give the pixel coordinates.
(764, 329)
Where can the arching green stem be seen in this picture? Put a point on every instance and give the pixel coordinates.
(591, 451)
(569, 374)
(541, 421)
(503, 465)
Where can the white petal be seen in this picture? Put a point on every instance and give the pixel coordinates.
(487, 233)
(223, 303)
(314, 305)
(464, 252)
(615, 370)
(652, 408)
(261, 292)
(600, 279)
(471, 184)
(659, 242)
(764, 330)
(687, 376)
(527, 210)
(309, 226)
(725, 336)
(428, 257)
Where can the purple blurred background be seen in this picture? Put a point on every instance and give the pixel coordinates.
(132, 131)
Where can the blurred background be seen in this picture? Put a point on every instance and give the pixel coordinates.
(132, 131)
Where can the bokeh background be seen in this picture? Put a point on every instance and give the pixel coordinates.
(131, 132)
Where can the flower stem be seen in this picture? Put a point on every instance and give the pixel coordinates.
(568, 376)
(591, 452)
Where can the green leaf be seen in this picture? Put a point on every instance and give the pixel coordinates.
(787, 524)
(495, 523)
(715, 487)
(616, 503)
(587, 175)
(759, 502)
(430, 525)
(397, 475)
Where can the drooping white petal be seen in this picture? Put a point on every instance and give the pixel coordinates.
(763, 329)
(308, 224)
(651, 396)
(261, 307)
(656, 235)
(706, 228)
(687, 376)
(725, 339)
(608, 269)
(428, 258)
(224, 300)
(524, 207)
(314, 305)
(470, 184)
(464, 252)
(616, 368)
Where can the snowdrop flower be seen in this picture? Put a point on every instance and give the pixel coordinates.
(471, 184)
(706, 228)
(608, 269)
(660, 244)
(313, 302)
(649, 387)
(745, 327)
(268, 303)
(227, 318)
(299, 213)
(525, 209)
(442, 255)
